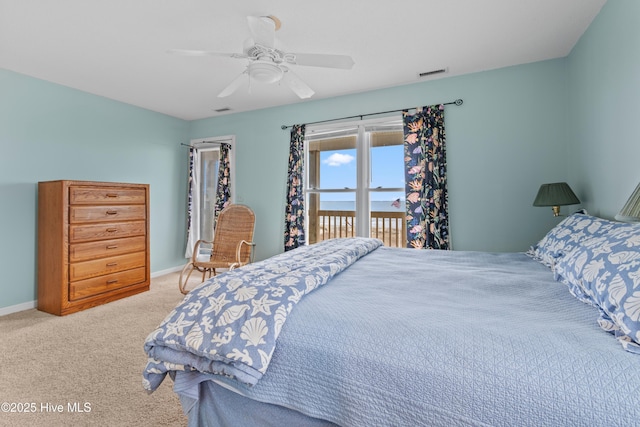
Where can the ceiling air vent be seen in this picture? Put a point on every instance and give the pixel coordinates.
(432, 72)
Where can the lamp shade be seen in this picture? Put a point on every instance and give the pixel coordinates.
(631, 210)
(555, 194)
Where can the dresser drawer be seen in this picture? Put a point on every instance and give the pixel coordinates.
(99, 267)
(106, 248)
(106, 195)
(110, 282)
(90, 232)
(106, 213)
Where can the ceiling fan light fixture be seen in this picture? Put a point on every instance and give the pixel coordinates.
(269, 65)
(265, 72)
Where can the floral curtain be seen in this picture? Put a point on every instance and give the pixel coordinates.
(192, 204)
(426, 178)
(294, 214)
(223, 191)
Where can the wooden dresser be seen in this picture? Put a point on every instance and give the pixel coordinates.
(93, 243)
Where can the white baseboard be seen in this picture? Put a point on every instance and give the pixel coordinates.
(33, 304)
(167, 271)
(18, 307)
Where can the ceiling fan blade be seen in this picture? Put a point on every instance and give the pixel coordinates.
(263, 30)
(299, 87)
(235, 84)
(187, 52)
(321, 60)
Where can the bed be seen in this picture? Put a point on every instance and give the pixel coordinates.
(349, 332)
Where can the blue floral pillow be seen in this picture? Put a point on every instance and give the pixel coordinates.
(604, 271)
(566, 236)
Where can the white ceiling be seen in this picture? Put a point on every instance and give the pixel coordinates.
(117, 48)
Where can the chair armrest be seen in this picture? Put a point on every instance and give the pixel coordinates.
(239, 249)
(196, 249)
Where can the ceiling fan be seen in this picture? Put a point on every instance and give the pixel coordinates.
(268, 64)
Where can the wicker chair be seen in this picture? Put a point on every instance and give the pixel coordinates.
(232, 245)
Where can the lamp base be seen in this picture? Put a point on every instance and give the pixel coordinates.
(556, 210)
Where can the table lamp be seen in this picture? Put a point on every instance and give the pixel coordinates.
(555, 195)
(630, 212)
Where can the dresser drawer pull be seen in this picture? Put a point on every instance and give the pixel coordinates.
(112, 195)
(112, 212)
(111, 282)
(111, 230)
(112, 246)
(112, 264)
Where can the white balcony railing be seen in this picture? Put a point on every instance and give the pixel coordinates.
(386, 226)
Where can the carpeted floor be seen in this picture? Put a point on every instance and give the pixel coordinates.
(85, 369)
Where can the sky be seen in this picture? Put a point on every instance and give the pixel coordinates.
(338, 170)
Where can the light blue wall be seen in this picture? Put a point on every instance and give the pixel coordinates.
(604, 108)
(504, 141)
(572, 119)
(50, 132)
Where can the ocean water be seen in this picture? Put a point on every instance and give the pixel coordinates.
(376, 206)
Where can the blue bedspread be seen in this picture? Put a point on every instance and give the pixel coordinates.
(229, 325)
(443, 338)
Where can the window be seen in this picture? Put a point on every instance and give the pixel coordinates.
(355, 180)
(209, 160)
(206, 163)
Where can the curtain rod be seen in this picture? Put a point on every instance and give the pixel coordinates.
(201, 142)
(457, 102)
